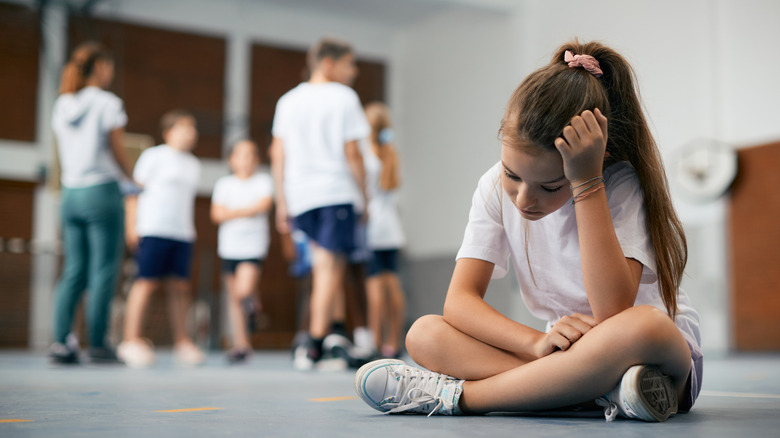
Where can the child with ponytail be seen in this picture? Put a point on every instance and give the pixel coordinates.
(580, 202)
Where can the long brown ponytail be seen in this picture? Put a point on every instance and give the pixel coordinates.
(81, 66)
(547, 100)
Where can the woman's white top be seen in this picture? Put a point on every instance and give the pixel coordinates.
(496, 232)
(384, 230)
(82, 122)
(245, 237)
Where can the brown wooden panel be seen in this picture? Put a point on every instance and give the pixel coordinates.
(370, 82)
(755, 249)
(275, 70)
(16, 210)
(159, 70)
(19, 50)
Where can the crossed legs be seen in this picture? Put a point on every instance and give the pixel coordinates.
(497, 380)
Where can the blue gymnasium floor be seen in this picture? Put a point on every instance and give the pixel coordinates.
(266, 398)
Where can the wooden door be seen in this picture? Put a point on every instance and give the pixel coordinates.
(755, 249)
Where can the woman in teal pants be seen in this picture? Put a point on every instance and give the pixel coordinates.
(89, 124)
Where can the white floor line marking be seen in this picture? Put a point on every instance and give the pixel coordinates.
(740, 394)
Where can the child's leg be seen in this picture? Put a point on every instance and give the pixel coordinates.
(241, 286)
(590, 368)
(438, 346)
(396, 310)
(327, 280)
(179, 303)
(376, 304)
(135, 308)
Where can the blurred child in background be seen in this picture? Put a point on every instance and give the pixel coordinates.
(386, 302)
(319, 176)
(160, 223)
(240, 206)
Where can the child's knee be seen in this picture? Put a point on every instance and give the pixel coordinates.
(650, 325)
(422, 334)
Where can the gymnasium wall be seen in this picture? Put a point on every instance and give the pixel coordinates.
(705, 69)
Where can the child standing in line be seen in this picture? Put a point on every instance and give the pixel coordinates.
(386, 301)
(319, 177)
(160, 223)
(240, 206)
(580, 202)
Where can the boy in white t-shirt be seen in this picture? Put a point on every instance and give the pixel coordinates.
(319, 176)
(240, 206)
(160, 224)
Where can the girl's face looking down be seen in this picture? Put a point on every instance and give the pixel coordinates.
(534, 181)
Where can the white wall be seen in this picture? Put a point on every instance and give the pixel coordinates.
(453, 75)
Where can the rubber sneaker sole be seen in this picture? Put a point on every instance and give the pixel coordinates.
(649, 393)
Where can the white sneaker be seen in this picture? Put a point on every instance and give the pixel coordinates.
(136, 354)
(186, 353)
(364, 342)
(340, 347)
(643, 394)
(301, 359)
(392, 387)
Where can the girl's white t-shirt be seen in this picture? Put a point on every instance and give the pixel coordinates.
(82, 122)
(314, 121)
(246, 237)
(166, 205)
(496, 232)
(384, 230)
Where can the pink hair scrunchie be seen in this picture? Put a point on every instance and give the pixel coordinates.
(587, 62)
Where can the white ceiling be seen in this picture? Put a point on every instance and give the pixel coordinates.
(392, 13)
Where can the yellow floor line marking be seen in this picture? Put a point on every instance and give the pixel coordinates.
(15, 420)
(191, 410)
(330, 399)
(739, 394)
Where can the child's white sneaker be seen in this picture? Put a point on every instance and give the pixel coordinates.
(136, 354)
(392, 387)
(186, 353)
(643, 393)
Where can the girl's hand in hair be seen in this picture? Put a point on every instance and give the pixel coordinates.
(564, 334)
(583, 146)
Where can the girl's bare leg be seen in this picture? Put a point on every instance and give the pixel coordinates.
(179, 303)
(241, 285)
(376, 307)
(397, 309)
(440, 347)
(589, 369)
(135, 310)
(327, 283)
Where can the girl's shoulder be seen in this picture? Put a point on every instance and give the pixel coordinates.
(621, 180)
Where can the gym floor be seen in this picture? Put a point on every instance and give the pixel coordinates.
(267, 398)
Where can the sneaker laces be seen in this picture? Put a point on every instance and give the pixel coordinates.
(417, 389)
(611, 409)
